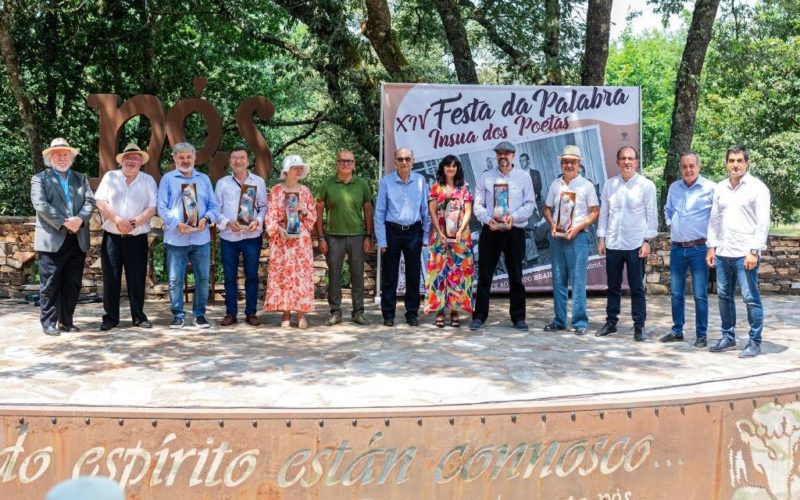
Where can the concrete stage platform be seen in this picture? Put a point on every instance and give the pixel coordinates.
(399, 413)
(348, 366)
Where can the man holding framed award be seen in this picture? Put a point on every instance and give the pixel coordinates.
(504, 200)
(242, 197)
(571, 207)
(187, 205)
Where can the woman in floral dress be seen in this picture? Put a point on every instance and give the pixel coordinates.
(449, 271)
(290, 218)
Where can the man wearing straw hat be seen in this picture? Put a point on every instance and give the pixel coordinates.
(571, 208)
(126, 198)
(63, 202)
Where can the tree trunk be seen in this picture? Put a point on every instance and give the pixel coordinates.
(687, 90)
(29, 123)
(552, 64)
(378, 30)
(457, 39)
(598, 29)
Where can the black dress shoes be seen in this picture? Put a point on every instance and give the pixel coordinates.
(671, 337)
(638, 334)
(412, 321)
(69, 328)
(51, 331)
(388, 322)
(107, 325)
(606, 330)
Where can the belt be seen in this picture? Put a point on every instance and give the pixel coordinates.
(687, 244)
(404, 227)
(124, 235)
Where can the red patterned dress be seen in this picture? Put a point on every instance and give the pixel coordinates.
(290, 284)
(450, 268)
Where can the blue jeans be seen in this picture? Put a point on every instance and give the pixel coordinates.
(692, 259)
(730, 270)
(177, 258)
(569, 259)
(251, 251)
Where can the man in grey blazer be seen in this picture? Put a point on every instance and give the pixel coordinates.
(63, 202)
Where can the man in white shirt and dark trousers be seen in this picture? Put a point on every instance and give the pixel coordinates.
(737, 233)
(628, 220)
(241, 225)
(126, 198)
(503, 233)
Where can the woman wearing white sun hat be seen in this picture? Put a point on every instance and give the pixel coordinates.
(290, 219)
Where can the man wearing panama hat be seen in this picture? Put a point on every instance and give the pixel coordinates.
(126, 198)
(63, 202)
(570, 209)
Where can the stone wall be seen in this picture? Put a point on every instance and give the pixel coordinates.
(19, 269)
(780, 272)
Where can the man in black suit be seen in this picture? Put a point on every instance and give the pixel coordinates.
(536, 220)
(63, 202)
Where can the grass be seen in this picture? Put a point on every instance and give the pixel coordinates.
(791, 229)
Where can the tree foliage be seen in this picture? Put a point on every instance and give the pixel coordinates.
(321, 62)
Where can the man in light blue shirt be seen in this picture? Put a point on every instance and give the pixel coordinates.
(504, 201)
(402, 223)
(187, 205)
(242, 197)
(686, 212)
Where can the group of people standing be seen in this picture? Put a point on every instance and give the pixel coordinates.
(720, 225)
(713, 225)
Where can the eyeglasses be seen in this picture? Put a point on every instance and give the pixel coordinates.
(346, 162)
(404, 159)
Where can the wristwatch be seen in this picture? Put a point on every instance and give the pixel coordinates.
(755, 251)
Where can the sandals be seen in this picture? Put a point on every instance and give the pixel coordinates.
(455, 322)
(440, 321)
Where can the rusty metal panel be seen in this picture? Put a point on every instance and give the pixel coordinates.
(733, 448)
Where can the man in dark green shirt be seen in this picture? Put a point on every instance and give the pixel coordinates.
(348, 201)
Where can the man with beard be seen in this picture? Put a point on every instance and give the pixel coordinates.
(63, 202)
(183, 241)
(504, 201)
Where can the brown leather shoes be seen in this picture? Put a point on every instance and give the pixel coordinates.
(228, 320)
(252, 320)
